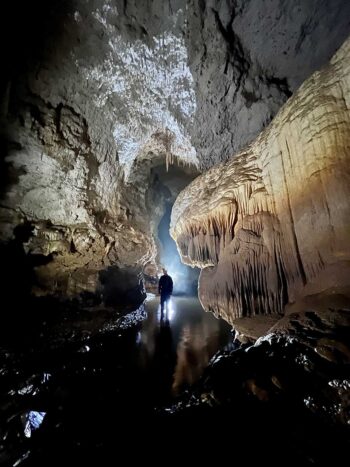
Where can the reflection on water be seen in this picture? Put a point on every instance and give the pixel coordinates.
(198, 343)
(176, 348)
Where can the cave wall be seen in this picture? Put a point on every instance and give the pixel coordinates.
(247, 57)
(271, 225)
(84, 99)
(91, 91)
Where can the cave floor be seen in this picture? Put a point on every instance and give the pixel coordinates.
(178, 345)
(89, 386)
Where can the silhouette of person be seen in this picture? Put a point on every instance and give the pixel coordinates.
(165, 289)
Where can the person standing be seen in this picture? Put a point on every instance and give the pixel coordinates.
(165, 289)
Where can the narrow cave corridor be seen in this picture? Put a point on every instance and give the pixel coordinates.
(185, 278)
(207, 138)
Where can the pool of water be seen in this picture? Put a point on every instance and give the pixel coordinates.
(174, 349)
(81, 391)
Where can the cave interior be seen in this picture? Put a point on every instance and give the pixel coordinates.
(208, 138)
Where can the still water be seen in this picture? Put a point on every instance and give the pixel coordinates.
(73, 397)
(174, 349)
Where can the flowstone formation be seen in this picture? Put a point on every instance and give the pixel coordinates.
(271, 225)
(93, 90)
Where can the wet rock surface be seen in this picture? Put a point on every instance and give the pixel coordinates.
(81, 372)
(281, 395)
(56, 362)
(94, 377)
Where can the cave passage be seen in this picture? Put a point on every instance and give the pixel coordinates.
(184, 277)
(229, 121)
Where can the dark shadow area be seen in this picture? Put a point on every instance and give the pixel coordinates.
(185, 278)
(20, 311)
(18, 266)
(99, 407)
(121, 286)
(29, 31)
(176, 178)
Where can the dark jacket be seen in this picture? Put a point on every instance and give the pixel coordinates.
(165, 286)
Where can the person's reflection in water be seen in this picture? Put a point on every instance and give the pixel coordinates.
(164, 359)
(197, 345)
(148, 339)
(157, 356)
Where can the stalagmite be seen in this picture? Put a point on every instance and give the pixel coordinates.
(271, 225)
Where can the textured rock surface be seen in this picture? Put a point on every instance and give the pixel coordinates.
(271, 225)
(93, 91)
(292, 387)
(247, 57)
(110, 84)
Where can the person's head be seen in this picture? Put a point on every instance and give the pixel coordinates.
(165, 272)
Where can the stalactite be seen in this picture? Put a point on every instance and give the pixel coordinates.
(266, 225)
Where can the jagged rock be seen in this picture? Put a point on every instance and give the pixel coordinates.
(270, 226)
(248, 330)
(280, 389)
(247, 57)
(100, 92)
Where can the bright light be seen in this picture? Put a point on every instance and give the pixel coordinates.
(171, 310)
(184, 277)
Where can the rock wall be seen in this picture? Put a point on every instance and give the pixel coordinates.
(247, 57)
(94, 93)
(85, 97)
(271, 225)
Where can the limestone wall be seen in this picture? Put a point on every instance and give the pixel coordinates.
(272, 223)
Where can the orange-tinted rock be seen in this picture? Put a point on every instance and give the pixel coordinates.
(271, 225)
